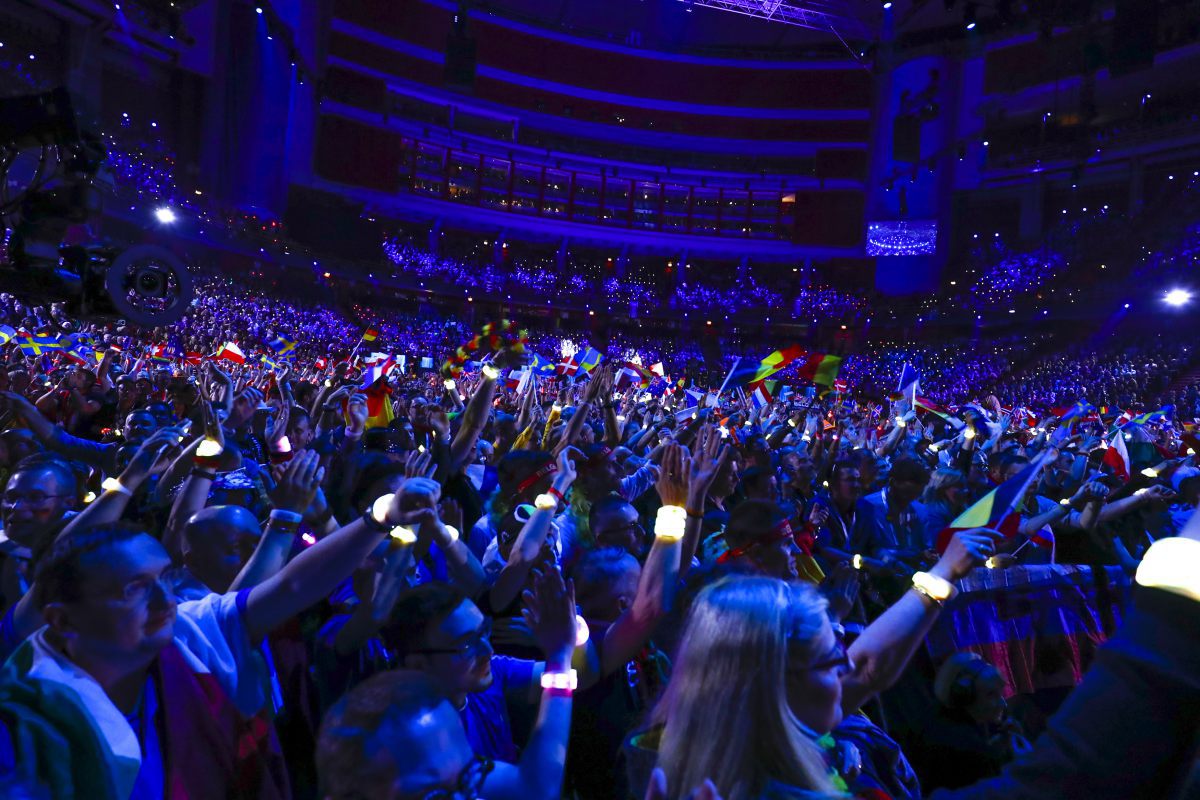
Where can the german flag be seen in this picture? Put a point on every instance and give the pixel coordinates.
(370, 335)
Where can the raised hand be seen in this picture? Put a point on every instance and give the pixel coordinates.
(418, 465)
(967, 549)
(707, 460)
(550, 614)
(356, 412)
(674, 476)
(148, 456)
(295, 490)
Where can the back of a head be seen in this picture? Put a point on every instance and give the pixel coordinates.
(353, 759)
(909, 469)
(749, 520)
(416, 610)
(597, 572)
(731, 676)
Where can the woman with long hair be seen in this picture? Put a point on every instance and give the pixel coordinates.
(761, 677)
(946, 496)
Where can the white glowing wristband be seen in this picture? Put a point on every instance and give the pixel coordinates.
(857, 561)
(545, 502)
(209, 448)
(115, 485)
(582, 633)
(939, 590)
(561, 681)
(670, 522)
(969, 433)
(379, 508)
(90, 497)
(490, 372)
(449, 384)
(451, 533)
(1172, 565)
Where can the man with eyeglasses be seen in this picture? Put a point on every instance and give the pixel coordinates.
(614, 522)
(438, 631)
(38, 499)
(397, 735)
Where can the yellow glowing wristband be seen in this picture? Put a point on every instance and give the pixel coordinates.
(490, 372)
(545, 502)
(115, 485)
(969, 433)
(670, 522)
(857, 561)
(1172, 565)
(936, 589)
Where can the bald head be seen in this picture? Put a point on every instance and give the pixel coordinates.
(218, 541)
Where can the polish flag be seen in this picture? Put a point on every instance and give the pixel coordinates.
(231, 352)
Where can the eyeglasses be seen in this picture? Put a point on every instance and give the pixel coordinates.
(11, 499)
(469, 783)
(478, 643)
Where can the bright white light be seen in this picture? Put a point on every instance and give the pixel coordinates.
(164, 215)
(1177, 297)
(258, 10)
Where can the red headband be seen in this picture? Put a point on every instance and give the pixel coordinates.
(778, 532)
(547, 469)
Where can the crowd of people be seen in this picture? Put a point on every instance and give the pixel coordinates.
(227, 577)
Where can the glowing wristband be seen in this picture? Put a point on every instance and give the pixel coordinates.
(209, 448)
(380, 508)
(1066, 501)
(792, 422)
(581, 631)
(1150, 472)
(1172, 565)
(560, 681)
(857, 561)
(115, 485)
(670, 522)
(490, 372)
(556, 408)
(969, 433)
(900, 423)
(404, 536)
(991, 563)
(449, 384)
(285, 516)
(936, 589)
(451, 533)
(90, 497)
(545, 502)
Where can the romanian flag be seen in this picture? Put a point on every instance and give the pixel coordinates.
(780, 359)
(34, 344)
(820, 368)
(996, 509)
(370, 335)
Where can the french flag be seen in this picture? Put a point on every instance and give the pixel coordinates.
(1117, 456)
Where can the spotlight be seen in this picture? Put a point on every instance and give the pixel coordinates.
(887, 4)
(969, 16)
(164, 214)
(1177, 297)
(258, 9)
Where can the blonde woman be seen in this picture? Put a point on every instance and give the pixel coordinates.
(946, 496)
(760, 675)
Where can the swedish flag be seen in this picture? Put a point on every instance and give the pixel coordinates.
(6, 334)
(589, 359)
(282, 346)
(35, 344)
(540, 365)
